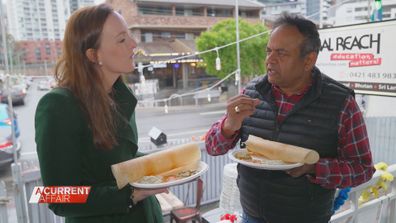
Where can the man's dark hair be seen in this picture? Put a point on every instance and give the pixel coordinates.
(307, 28)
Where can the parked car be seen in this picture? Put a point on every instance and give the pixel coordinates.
(44, 85)
(6, 144)
(17, 89)
(28, 81)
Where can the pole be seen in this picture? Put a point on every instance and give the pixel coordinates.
(45, 68)
(369, 9)
(11, 114)
(11, 61)
(4, 37)
(238, 73)
(24, 67)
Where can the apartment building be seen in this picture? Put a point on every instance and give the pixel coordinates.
(359, 11)
(37, 27)
(274, 8)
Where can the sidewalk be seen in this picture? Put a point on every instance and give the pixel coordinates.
(182, 108)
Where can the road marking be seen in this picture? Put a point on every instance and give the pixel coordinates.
(147, 139)
(213, 112)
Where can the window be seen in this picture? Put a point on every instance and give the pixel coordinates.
(165, 35)
(190, 36)
(151, 10)
(248, 14)
(180, 35)
(359, 9)
(182, 11)
(220, 12)
(48, 49)
(37, 53)
(147, 37)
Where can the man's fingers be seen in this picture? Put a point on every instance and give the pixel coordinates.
(243, 99)
(244, 108)
(235, 98)
(247, 101)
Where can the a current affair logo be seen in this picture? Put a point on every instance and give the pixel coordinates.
(60, 194)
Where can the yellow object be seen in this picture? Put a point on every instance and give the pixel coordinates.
(380, 187)
(387, 177)
(381, 166)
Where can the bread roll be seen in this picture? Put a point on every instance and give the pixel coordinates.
(163, 162)
(280, 151)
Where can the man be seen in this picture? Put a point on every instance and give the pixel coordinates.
(295, 103)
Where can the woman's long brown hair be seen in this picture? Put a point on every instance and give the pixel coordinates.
(80, 75)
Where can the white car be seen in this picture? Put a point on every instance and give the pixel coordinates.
(44, 85)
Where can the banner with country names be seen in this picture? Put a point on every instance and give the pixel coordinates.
(361, 56)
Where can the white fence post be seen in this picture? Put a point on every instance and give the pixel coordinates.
(392, 196)
(20, 195)
(3, 203)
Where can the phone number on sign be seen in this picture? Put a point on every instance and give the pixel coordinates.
(373, 75)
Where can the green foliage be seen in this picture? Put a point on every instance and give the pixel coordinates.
(252, 51)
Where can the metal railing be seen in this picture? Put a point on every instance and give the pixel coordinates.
(26, 175)
(380, 209)
(3, 203)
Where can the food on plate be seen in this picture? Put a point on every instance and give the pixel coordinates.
(280, 151)
(151, 180)
(256, 158)
(168, 178)
(242, 155)
(160, 164)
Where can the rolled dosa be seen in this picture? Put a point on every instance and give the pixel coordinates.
(280, 151)
(160, 163)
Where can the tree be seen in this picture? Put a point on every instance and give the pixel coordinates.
(252, 51)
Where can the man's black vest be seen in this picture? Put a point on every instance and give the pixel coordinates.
(312, 123)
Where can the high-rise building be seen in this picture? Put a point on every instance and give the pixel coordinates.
(76, 4)
(359, 11)
(318, 11)
(40, 19)
(275, 1)
(273, 8)
(36, 19)
(37, 27)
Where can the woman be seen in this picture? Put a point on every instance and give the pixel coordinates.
(88, 122)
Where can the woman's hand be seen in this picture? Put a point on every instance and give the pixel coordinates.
(238, 108)
(141, 194)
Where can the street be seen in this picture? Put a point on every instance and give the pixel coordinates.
(181, 123)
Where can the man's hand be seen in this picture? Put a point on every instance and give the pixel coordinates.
(302, 170)
(238, 108)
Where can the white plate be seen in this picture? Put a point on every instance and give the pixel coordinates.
(267, 166)
(202, 168)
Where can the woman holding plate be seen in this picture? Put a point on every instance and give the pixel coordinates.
(87, 123)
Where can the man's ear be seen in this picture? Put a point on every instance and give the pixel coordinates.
(91, 55)
(310, 61)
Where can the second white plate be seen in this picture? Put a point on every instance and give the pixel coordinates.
(263, 166)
